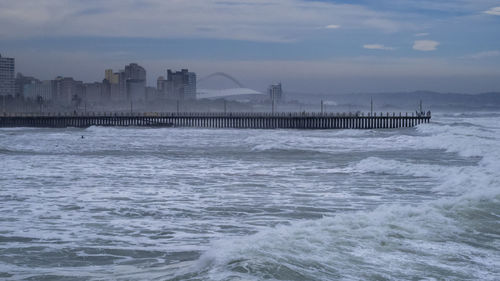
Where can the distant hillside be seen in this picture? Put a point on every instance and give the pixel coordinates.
(406, 101)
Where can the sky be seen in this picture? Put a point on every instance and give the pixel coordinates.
(327, 47)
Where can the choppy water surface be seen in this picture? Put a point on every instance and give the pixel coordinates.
(197, 204)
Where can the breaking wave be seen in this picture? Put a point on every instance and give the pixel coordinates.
(452, 237)
(193, 204)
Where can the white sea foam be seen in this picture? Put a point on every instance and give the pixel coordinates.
(259, 204)
(425, 240)
(429, 240)
(415, 241)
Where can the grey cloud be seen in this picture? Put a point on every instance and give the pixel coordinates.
(493, 11)
(255, 20)
(425, 45)
(482, 55)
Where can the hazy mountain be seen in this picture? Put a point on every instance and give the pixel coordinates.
(404, 101)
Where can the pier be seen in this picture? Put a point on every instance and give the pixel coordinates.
(288, 120)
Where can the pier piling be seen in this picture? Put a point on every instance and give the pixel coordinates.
(287, 120)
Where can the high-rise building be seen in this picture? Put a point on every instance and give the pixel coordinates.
(175, 85)
(126, 84)
(135, 77)
(37, 89)
(161, 86)
(113, 78)
(275, 92)
(66, 90)
(108, 74)
(93, 92)
(7, 81)
(135, 72)
(190, 86)
(181, 85)
(136, 89)
(114, 92)
(21, 81)
(105, 95)
(122, 85)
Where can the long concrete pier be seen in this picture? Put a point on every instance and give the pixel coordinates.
(290, 120)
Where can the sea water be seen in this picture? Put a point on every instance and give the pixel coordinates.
(106, 203)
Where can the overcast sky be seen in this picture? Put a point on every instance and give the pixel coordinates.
(319, 46)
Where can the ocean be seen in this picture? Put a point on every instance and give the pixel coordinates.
(131, 203)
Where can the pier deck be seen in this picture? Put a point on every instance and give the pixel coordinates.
(220, 120)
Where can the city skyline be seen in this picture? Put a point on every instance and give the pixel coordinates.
(126, 84)
(322, 46)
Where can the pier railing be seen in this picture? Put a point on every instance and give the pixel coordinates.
(284, 120)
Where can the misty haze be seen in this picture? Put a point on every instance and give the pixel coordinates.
(249, 140)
